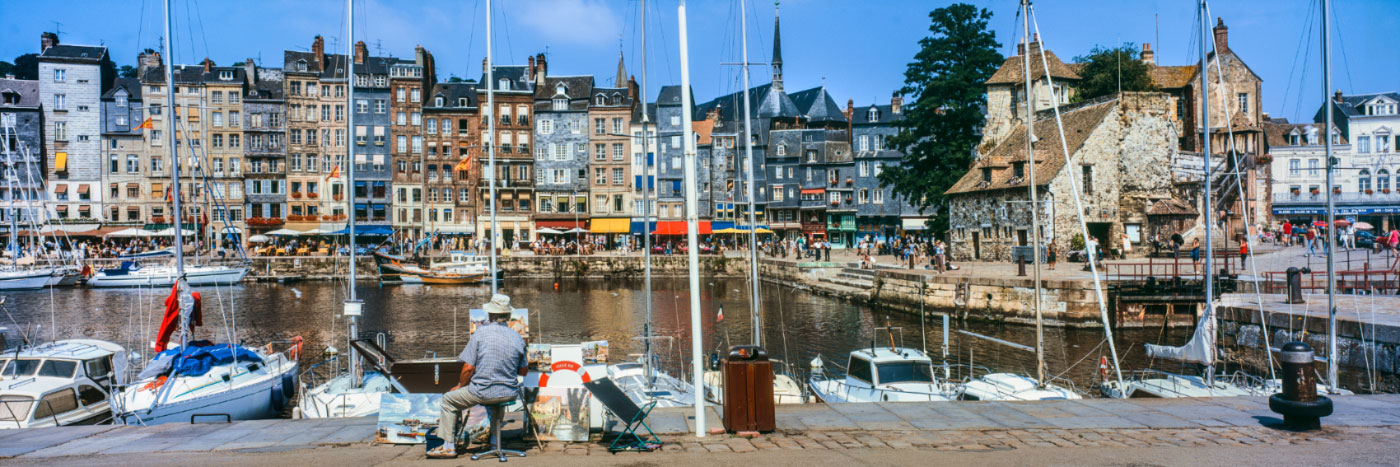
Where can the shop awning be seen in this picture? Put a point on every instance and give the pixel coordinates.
(679, 228)
(83, 189)
(813, 191)
(60, 162)
(913, 224)
(60, 188)
(560, 224)
(611, 226)
(84, 208)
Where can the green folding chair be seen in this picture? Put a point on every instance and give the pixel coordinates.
(624, 409)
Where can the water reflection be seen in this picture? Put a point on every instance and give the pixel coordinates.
(422, 320)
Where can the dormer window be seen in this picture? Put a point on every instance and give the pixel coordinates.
(987, 175)
(782, 149)
(461, 102)
(617, 97)
(225, 75)
(561, 103)
(504, 84)
(600, 100)
(873, 115)
(1018, 169)
(560, 89)
(301, 65)
(437, 102)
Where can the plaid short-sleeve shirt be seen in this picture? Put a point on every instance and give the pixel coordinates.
(498, 353)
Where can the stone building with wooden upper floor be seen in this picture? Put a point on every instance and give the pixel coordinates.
(1120, 147)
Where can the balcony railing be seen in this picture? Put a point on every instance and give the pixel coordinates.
(1377, 197)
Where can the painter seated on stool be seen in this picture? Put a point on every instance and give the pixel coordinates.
(492, 359)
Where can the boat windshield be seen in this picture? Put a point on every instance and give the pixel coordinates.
(59, 368)
(21, 367)
(15, 408)
(905, 372)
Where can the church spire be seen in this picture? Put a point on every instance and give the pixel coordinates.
(777, 52)
(621, 79)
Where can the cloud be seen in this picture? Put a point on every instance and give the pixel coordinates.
(574, 22)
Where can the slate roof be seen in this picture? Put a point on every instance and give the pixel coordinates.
(290, 57)
(1011, 72)
(817, 105)
(74, 53)
(622, 101)
(1352, 106)
(268, 85)
(731, 104)
(188, 74)
(861, 115)
(575, 87)
(1171, 207)
(519, 76)
(131, 85)
(777, 105)
(1078, 123)
(28, 90)
(1172, 77)
(453, 92)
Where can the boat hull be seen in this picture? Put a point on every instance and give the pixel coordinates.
(395, 270)
(165, 277)
(253, 399)
(26, 280)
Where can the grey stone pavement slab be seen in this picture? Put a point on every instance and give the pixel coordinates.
(931, 418)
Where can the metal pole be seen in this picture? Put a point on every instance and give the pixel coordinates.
(646, 209)
(352, 303)
(489, 139)
(692, 229)
(1331, 203)
(174, 151)
(1206, 38)
(1035, 197)
(748, 189)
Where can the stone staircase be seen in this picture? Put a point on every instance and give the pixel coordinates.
(849, 277)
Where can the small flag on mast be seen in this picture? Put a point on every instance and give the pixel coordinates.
(147, 125)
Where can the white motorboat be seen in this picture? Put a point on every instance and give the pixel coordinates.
(881, 374)
(131, 274)
(631, 378)
(338, 398)
(785, 389)
(63, 383)
(25, 279)
(208, 381)
(1012, 387)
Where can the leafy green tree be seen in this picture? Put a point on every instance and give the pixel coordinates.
(946, 88)
(1102, 67)
(26, 66)
(127, 71)
(6, 68)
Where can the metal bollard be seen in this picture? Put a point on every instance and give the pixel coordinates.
(1021, 266)
(1295, 284)
(1299, 403)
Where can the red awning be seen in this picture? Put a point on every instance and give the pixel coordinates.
(60, 188)
(678, 228)
(815, 191)
(82, 189)
(566, 225)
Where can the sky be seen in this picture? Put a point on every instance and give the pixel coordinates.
(858, 49)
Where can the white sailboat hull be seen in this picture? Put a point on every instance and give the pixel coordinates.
(165, 277)
(336, 399)
(25, 280)
(249, 395)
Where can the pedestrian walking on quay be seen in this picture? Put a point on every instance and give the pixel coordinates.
(492, 360)
(1050, 256)
(1309, 239)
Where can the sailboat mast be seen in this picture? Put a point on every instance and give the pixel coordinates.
(748, 186)
(1331, 203)
(1035, 196)
(174, 149)
(1209, 312)
(490, 115)
(353, 305)
(646, 209)
(692, 204)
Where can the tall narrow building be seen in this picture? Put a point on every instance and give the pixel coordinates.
(515, 166)
(71, 82)
(610, 156)
(265, 145)
(411, 85)
(562, 136)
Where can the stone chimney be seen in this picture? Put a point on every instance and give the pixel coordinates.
(850, 109)
(47, 40)
(207, 63)
(712, 114)
(1147, 56)
(361, 52)
(1035, 45)
(318, 52)
(896, 104)
(250, 70)
(1222, 36)
(483, 64)
(632, 89)
(543, 69)
(1337, 96)
(147, 59)
(531, 69)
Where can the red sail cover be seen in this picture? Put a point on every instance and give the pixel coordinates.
(172, 317)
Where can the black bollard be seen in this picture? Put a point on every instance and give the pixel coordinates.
(1295, 285)
(1299, 403)
(1020, 266)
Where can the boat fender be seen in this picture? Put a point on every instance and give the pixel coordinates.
(1103, 368)
(279, 401)
(295, 352)
(289, 385)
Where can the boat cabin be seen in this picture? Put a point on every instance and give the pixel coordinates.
(883, 366)
(58, 384)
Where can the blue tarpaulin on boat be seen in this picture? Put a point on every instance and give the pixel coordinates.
(196, 359)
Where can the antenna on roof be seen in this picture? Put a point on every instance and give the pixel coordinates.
(57, 29)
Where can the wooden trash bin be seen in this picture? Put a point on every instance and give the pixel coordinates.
(748, 390)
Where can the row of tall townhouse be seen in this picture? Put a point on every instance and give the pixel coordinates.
(266, 148)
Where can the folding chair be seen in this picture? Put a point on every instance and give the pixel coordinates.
(624, 409)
